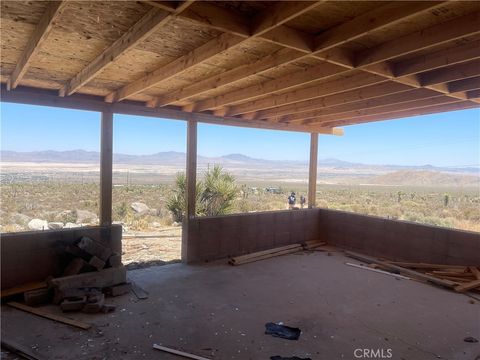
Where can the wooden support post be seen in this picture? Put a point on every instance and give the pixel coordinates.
(191, 168)
(191, 186)
(312, 174)
(106, 160)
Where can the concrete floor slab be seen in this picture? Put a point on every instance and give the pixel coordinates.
(220, 311)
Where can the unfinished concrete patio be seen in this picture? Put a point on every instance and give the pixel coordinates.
(220, 311)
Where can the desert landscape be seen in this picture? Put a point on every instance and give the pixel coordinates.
(42, 190)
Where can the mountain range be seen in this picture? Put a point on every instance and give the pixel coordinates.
(173, 158)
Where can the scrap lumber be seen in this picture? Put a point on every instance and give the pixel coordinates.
(261, 255)
(475, 271)
(19, 349)
(139, 292)
(468, 286)
(313, 244)
(425, 266)
(445, 283)
(48, 315)
(23, 288)
(378, 271)
(178, 352)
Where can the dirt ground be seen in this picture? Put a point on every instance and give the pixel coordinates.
(146, 249)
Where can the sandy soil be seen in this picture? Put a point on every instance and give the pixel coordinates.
(140, 251)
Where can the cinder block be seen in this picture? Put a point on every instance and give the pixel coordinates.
(96, 279)
(38, 296)
(74, 304)
(94, 248)
(97, 263)
(118, 289)
(115, 260)
(74, 267)
(94, 304)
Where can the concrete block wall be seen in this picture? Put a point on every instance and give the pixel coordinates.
(399, 240)
(35, 255)
(211, 238)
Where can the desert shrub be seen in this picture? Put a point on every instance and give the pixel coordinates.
(215, 194)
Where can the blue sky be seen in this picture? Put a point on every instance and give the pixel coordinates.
(448, 139)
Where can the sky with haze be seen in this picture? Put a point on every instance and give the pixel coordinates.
(448, 139)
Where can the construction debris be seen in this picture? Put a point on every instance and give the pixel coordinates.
(178, 352)
(378, 271)
(470, 339)
(282, 331)
(139, 292)
(457, 277)
(48, 315)
(38, 296)
(288, 249)
(23, 288)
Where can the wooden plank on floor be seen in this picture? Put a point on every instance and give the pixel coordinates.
(426, 266)
(179, 353)
(23, 288)
(468, 286)
(475, 271)
(264, 252)
(48, 315)
(445, 283)
(235, 261)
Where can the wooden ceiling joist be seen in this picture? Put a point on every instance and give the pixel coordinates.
(395, 99)
(147, 25)
(455, 106)
(464, 85)
(53, 10)
(385, 109)
(265, 22)
(452, 73)
(361, 61)
(439, 59)
(368, 92)
(420, 40)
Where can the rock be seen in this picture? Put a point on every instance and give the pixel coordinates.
(156, 224)
(86, 217)
(70, 225)
(139, 208)
(153, 212)
(38, 224)
(55, 225)
(21, 219)
(176, 223)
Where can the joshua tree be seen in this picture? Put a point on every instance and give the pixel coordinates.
(215, 194)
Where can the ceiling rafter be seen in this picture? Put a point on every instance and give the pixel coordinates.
(52, 12)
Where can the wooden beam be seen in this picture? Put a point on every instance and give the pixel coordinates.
(303, 77)
(452, 73)
(178, 66)
(386, 109)
(30, 96)
(435, 35)
(147, 25)
(473, 94)
(191, 176)
(464, 85)
(106, 161)
(438, 59)
(281, 57)
(460, 105)
(365, 93)
(279, 13)
(52, 12)
(352, 80)
(379, 18)
(409, 96)
(312, 171)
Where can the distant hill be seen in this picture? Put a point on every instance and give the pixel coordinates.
(425, 178)
(177, 159)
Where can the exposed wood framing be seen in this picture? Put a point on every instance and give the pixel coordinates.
(106, 161)
(41, 32)
(312, 171)
(464, 85)
(146, 26)
(452, 73)
(264, 22)
(84, 102)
